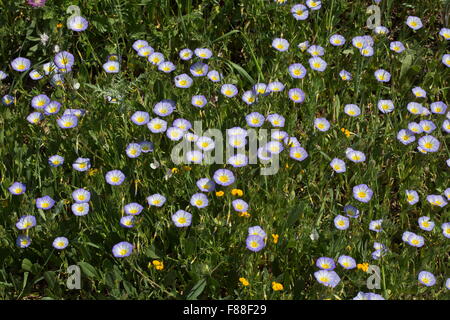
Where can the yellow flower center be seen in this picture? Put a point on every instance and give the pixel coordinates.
(362, 194)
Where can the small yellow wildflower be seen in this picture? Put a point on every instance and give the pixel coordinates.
(275, 238)
(244, 282)
(174, 170)
(244, 214)
(220, 193)
(346, 132)
(92, 172)
(159, 265)
(237, 192)
(59, 25)
(364, 266)
(277, 286)
(187, 168)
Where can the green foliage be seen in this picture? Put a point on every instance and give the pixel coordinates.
(206, 260)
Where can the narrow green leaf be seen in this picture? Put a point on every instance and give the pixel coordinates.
(196, 290)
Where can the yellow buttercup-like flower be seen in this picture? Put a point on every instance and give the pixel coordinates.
(346, 132)
(277, 286)
(220, 193)
(158, 265)
(237, 192)
(244, 214)
(244, 282)
(92, 172)
(275, 238)
(363, 266)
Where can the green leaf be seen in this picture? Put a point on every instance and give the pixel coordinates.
(150, 252)
(196, 290)
(88, 270)
(225, 35)
(406, 64)
(240, 70)
(294, 215)
(129, 288)
(50, 277)
(27, 265)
